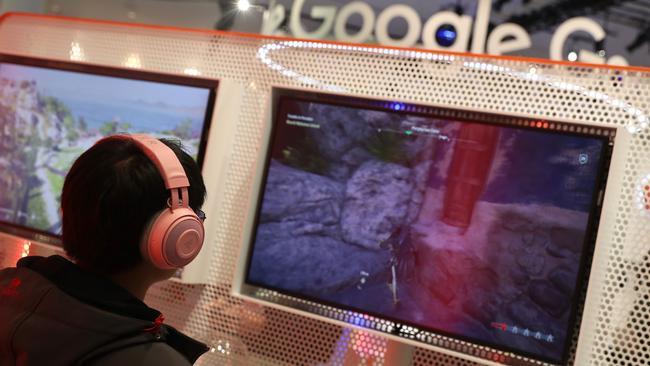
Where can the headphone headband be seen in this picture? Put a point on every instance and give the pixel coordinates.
(164, 159)
(167, 164)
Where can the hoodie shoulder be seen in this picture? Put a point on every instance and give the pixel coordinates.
(148, 354)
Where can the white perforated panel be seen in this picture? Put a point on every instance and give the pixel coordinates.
(616, 320)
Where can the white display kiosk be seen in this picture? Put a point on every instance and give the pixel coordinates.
(614, 327)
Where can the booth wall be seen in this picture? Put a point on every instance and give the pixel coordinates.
(616, 317)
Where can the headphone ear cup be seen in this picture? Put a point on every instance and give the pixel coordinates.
(172, 239)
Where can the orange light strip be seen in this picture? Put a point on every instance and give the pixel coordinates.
(4, 17)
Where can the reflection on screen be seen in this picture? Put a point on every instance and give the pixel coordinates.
(49, 117)
(467, 229)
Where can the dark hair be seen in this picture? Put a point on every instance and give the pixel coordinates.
(109, 195)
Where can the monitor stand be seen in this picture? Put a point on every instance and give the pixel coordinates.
(346, 354)
(398, 353)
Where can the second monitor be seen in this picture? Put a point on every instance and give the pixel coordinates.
(52, 111)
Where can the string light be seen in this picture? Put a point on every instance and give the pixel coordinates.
(264, 54)
(26, 247)
(243, 5)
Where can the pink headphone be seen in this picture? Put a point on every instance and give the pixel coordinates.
(174, 236)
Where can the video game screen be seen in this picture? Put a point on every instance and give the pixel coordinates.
(469, 229)
(49, 116)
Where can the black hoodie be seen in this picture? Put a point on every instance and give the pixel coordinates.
(52, 312)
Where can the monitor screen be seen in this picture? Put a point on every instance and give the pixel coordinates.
(50, 112)
(469, 225)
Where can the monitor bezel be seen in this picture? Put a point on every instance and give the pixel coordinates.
(245, 288)
(212, 85)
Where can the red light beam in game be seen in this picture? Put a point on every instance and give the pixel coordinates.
(500, 326)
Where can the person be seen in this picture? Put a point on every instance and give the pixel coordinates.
(90, 311)
(402, 258)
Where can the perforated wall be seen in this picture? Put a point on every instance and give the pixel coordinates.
(616, 325)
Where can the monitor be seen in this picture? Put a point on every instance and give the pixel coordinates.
(52, 111)
(474, 226)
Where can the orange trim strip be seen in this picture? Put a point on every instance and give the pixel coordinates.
(5, 16)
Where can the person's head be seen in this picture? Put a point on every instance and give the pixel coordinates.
(110, 194)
